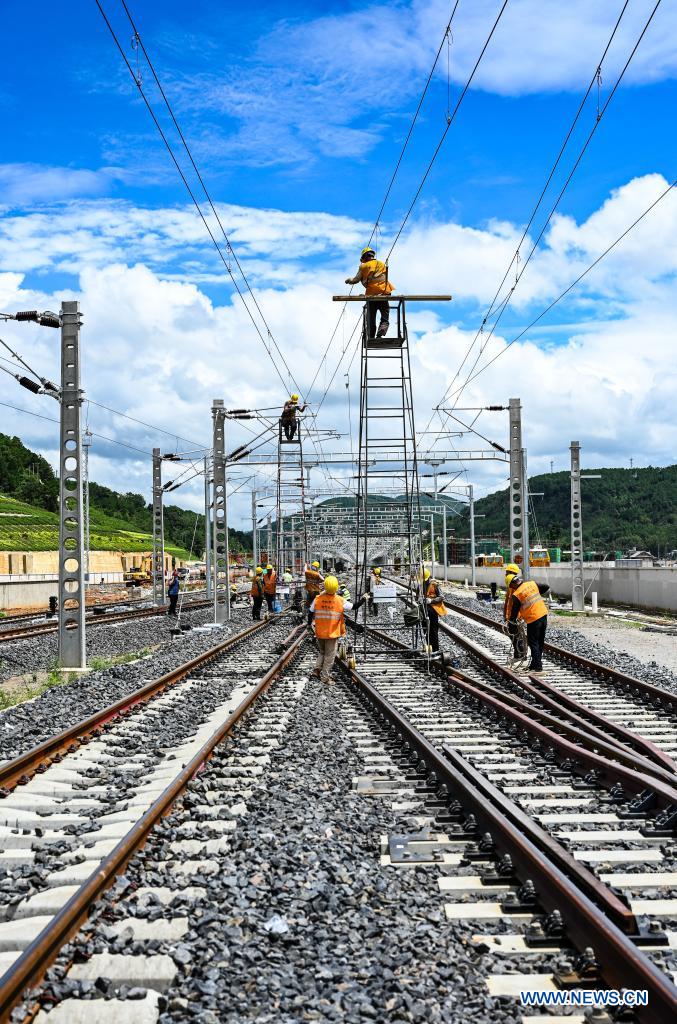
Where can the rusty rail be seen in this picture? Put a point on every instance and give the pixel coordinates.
(30, 967)
(17, 770)
(587, 923)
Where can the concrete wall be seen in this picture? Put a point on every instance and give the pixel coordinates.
(650, 587)
(28, 594)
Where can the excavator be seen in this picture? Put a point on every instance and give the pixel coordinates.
(139, 575)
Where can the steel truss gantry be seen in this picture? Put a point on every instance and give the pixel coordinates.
(387, 443)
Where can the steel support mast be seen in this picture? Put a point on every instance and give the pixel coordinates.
(158, 566)
(577, 584)
(72, 640)
(220, 520)
(208, 530)
(516, 491)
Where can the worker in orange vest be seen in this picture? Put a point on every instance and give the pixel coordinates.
(288, 421)
(270, 586)
(327, 613)
(313, 583)
(256, 594)
(435, 608)
(524, 600)
(373, 274)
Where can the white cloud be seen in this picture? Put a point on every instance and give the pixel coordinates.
(329, 87)
(161, 349)
(22, 185)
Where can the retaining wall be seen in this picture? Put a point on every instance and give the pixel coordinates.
(649, 587)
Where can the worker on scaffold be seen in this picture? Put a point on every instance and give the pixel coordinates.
(524, 600)
(288, 421)
(374, 582)
(373, 274)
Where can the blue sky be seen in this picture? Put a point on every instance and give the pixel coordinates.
(296, 121)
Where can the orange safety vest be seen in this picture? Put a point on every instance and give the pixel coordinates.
(329, 618)
(532, 605)
(257, 587)
(313, 580)
(374, 276)
(270, 583)
(438, 604)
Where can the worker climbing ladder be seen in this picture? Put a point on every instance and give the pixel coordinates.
(291, 527)
(388, 455)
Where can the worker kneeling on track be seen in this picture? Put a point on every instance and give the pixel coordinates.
(435, 607)
(327, 613)
(524, 599)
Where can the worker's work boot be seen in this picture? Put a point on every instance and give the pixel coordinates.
(383, 330)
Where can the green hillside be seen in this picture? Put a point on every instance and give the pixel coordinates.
(29, 528)
(626, 508)
(29, 502)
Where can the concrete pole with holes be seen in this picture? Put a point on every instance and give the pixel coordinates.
(444, 540)
(577, 584)
(255, 546)
(220, 516)
(473, 557)
(526, 565)
(158, 565)
(516, 489)
(208, 532)
(72, 639)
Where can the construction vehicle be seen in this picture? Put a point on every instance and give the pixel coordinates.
(537, 557)
(489, 561)
(139, 575)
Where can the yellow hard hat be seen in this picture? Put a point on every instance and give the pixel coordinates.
(316, 565)
(259, 570)
(426, 574)
(376, 570)
(512, 570)
(367, 249)
(331, 585)
(269, 566)
(294, 398)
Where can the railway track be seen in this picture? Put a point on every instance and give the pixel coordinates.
(9, 620)
(79, 806)
(591, 835)
(26, 632)
(542, 842)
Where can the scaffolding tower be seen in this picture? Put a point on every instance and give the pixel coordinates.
(387, 445)
(290, 501)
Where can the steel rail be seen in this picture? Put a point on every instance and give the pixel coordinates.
(587, 718)
(30, 967)
(20, 768)
(11, 617)
(623, 965)
(575, 728)
(576, 749)
(551, 696)
(42, 629)
(585, 664)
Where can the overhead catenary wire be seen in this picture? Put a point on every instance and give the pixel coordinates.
(534, 247)
(230, 249)
(449, 121)
(190, 191)
(573, 284)
(543, 192)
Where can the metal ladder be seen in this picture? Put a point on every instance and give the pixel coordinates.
(387, 431)
(291, 501)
